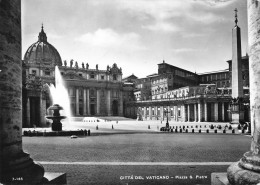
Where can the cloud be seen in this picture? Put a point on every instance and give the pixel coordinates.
(187, 50)
(108, 38)
(166, 15)
(162, 26)
(215, 3)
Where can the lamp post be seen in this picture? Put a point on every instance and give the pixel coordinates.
(167, 122)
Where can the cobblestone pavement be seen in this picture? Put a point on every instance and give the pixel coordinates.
(152, 147)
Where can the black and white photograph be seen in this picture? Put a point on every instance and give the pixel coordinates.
(130, 92)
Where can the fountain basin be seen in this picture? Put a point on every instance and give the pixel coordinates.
(56, 117)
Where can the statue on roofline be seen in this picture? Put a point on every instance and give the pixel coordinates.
(71, 62)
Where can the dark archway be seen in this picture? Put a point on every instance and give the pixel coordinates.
(115, 108)
(34, 111)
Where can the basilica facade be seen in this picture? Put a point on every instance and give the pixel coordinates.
(92, 92)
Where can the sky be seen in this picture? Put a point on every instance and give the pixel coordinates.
(195, 35)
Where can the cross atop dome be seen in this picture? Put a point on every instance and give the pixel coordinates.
(42, 36)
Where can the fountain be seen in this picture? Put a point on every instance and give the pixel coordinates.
(56, 117)
(59, 95)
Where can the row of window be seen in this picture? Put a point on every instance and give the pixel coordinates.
(153, 111)
(211, 77)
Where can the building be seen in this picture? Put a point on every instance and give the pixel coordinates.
(182, 95)
(93, 92)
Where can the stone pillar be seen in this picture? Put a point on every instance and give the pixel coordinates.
(13, 161)
(84, 102)
(98, 101)
(247, 170)
(195, 112)
(144, 116)
(28, 113)
(109, 103)
(77, 101)
(216, 111)
(161, 113)
(150, 112)
(206, 111)
(188, 112)
(183, 112)
(223, 111)
(200, 116)
(43, 110)
(121, 104)
(88, 102)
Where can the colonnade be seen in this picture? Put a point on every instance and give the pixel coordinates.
(188, 112)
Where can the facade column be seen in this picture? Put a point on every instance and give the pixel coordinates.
(174, 113)
(184, 113)
(199, 112)
(77, 101)
(246, 171)
(223, 111)
(144, 116)
(195, 112)
(150, 112)
(43, 110)
(155, 113)
(121, 104)
(84, 102)
(14, 161)
(206, 111)
(88, 103)
(216, 111)
(109, 104)
(98, 101)
(28, 116)
(161, 113)
(188, 112)
(169, 114)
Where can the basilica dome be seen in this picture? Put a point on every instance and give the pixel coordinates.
(42, 52)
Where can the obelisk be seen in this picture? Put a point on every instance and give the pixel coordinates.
(236, 108)
(247, 170)
(15, 165)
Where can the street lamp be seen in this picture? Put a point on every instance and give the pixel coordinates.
(167, 122)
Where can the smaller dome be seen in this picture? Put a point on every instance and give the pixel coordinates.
(42, 52)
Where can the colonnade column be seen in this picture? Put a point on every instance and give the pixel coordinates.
(150, 112)
(109, 104)
(195, 112)
(223, 111)
(28, 112)
(216, 111)
(206, 111)
(121, 104)
(43, 110)
(199, 112)
(14, 162)
(88, 103)
(155, 112)
(77, 101)
(98, 101)
(144, 116)
(84, 102)
(188, 112)
(161, 113)
(184, 113)
(246, 171)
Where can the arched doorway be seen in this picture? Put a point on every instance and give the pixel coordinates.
(115, 108)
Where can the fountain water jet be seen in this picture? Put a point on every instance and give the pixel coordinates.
(60, 96)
